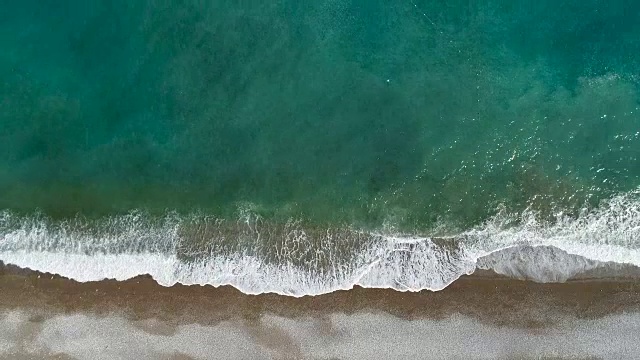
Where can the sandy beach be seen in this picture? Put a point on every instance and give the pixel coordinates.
(481, 316)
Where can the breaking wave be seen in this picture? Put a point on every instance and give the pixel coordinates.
(295, 259)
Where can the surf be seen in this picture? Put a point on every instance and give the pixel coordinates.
(257, 256)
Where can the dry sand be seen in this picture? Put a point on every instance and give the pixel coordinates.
(481, 316)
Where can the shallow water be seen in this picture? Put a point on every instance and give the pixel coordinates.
(304, 148)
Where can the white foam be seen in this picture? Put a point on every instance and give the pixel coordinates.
(531, 250)
(82, 267)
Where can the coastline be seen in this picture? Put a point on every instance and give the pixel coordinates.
(483, 295)
(483, 315)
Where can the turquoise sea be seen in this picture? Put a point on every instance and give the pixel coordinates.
(304, 147)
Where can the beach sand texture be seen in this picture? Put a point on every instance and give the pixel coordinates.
(478, 317)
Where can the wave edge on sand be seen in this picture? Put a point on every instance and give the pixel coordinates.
(257, 257)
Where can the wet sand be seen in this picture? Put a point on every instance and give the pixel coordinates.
(479, 316)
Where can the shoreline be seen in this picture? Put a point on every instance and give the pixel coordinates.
(485, 296)
(481, 316)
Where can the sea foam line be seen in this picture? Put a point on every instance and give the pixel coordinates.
(132, 245)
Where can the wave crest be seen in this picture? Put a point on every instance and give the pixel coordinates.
(296, 259)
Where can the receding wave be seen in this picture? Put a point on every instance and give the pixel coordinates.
(295, 258)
